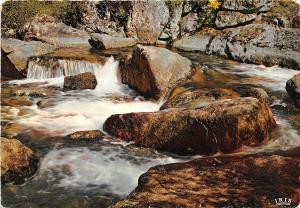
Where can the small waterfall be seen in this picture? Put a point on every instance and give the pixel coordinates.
(54, 68)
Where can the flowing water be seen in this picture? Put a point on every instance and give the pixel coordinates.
(85, 174)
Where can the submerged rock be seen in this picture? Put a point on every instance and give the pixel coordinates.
(16, 101)
(228, 181)
(258, 93)
(222, 126)
(103, 41)
(153, 70)
(82, 81)
(16, 53)
(31, 92)
(293, 89)
(86, 135)
(17, 161)
(47, 29)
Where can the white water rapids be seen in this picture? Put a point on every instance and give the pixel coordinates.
(87, 109)
(112, 167)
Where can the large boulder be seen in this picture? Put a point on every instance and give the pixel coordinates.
(82, 81)
(47, 29)
(232, 18)
(266, 44)
(228, 181)
(147, 20)
(293, 89)
(17, 161)
(103, 41)
(253, 43)
(16, 53)
(222, 126)
(152, 71)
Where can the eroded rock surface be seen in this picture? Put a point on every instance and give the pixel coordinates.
(82, 81)
(86, 135)
(153, 70)
(222, 126)
(17, 161)
(232, 181)
(147, 20)
(47, 29)
(103, 41)
(181, 97)
(254, 43)
(16, 54)
(229, 19)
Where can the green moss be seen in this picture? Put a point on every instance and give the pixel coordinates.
(16, 13)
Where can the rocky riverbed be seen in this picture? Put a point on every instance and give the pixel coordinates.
(196, 105)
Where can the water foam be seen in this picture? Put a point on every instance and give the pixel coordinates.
(273, 77)
(111, 168)
(88, 109)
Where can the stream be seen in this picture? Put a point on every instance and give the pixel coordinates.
(97, 174)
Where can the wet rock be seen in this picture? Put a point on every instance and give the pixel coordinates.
(153, 70)
(82, 81)
(46, 103)
(24, 111)
(147, 20)
(17, 161)
(103, 41)
(86, 135)
(47, 29)
(11, 130)
(16, 54)
(231, 18)
(198, 97)
(293, 89)
(222, 126)
(31, 92)
(258, 93)
(16, 101)
(218, 182)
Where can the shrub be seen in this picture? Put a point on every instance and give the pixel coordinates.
(16, 13)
